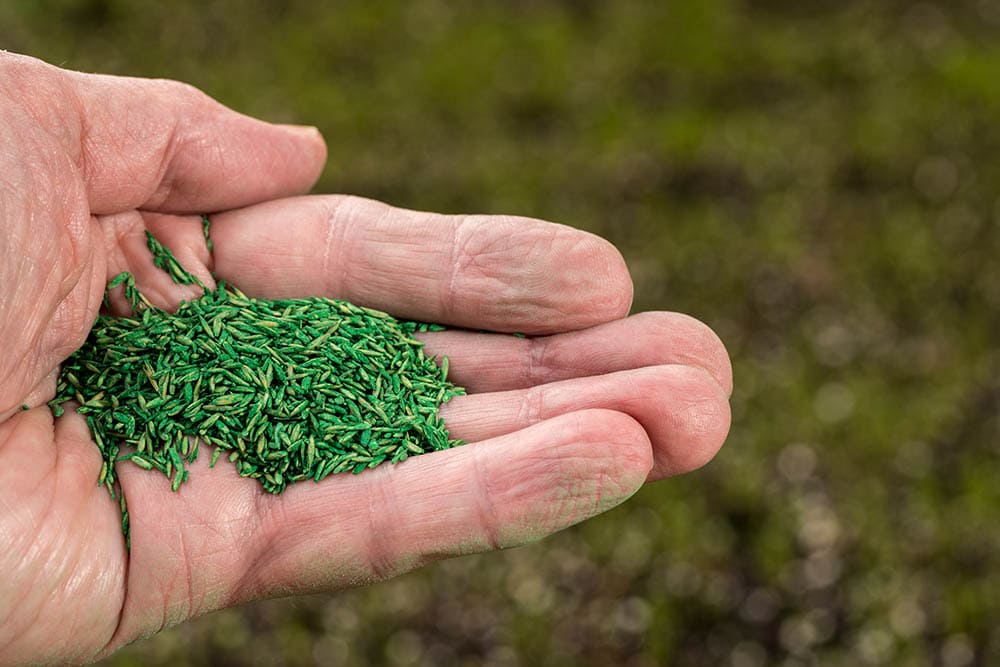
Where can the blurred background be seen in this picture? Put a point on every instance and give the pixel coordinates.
(818, 181)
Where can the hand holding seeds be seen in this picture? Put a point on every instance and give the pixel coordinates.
(562, 423)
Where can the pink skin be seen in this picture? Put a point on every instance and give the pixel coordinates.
(562, 426)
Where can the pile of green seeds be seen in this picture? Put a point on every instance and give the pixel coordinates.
(287, 390)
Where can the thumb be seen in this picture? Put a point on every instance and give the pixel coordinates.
(166, 146)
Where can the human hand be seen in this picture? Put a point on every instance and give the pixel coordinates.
(562, 425)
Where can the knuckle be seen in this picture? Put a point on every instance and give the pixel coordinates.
(537, 369)
(181, 90)
(532, 408)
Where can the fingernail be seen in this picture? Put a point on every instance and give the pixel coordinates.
(303, 131)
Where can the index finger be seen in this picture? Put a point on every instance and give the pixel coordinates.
(501, 273)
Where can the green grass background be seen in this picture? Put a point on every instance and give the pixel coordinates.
(818, 181)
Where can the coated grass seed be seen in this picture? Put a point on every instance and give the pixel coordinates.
(288, 389)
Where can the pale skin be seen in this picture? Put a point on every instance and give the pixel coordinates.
(561, 426)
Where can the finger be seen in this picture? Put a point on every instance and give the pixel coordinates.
(683, 409)
(219, 541)
(497, 362)
(165, 146)
(493, 272)
(494, 494)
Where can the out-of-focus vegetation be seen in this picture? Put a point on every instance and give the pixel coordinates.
(818, 181)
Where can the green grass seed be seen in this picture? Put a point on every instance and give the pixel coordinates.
(287, 389)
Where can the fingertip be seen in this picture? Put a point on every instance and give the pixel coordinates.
(718, 363)
(619, 290)
(693, 342)
(595, 286)
(312, 146)
(563, 279)
(701, 417)
(626, 449)
(582, 464)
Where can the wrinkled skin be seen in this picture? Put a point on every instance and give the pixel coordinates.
(562, 425)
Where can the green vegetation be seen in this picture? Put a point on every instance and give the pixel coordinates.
(818, 181)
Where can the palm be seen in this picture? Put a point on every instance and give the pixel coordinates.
(562, 426)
